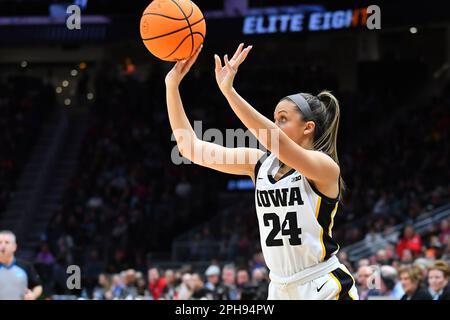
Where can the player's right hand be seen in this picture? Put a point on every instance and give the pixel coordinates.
(180, 69)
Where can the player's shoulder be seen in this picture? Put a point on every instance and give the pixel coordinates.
(324, 155)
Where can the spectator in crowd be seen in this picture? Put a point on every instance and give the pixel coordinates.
(438, 285)
(343, 257)
(445, 230)
(243, 284)
(363, 263)
(118, 288)
(434, 248)
(44, 256)
(260, 280)
(363, 277)
(45, 262)
(129, 277)
(382, 257)
(386, 284)
(242, 277)
(446, 250)
(156, 284)
(212, 279)
(141, 286)
(407, 257)
(374, 239)
(169, 292)
(198, 290)
(258, 260)
(409, 241)
(102, 291)
(390, 253)
(412, 283)
(183, 289)
(423, 264)
(227, 290)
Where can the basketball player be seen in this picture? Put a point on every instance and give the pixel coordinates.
(298, 185)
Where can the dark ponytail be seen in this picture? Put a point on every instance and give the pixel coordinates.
(326, 111)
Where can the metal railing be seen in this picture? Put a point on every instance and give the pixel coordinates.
(363, 249)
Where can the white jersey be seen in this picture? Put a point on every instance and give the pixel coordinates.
(295, 220)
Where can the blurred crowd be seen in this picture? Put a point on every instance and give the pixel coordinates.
(215, 283)
(414, 268)
(424, 279)
(25, 103)
(380, 277)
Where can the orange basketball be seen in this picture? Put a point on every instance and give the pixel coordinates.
(172, 29)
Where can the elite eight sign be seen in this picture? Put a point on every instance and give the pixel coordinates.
(316, 21)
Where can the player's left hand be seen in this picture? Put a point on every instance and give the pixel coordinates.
(225, 75)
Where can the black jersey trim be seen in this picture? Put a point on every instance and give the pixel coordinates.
(259, 164)
(324, 219)
(346, 282)
(273, 181)
(324, 197)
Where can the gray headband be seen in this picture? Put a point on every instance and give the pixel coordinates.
(305, 109)
(302, 104)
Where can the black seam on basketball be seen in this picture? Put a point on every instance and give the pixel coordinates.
(171, 32)
(187, 20)
(179, 45)
(168, 17)
(201, 34)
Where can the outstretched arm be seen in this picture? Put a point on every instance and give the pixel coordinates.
(315, 165)
(240, 161)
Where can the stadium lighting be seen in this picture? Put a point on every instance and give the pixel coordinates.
(24, 64)
(65, 83)
(67, 102)
(74, 73)
(58, 90)
(413, 30)
(90, 96)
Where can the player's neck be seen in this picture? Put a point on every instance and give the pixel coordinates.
(307, 144)
(8, 261)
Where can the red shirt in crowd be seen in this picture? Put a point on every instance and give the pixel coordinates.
(414, 244)
(156, 288)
